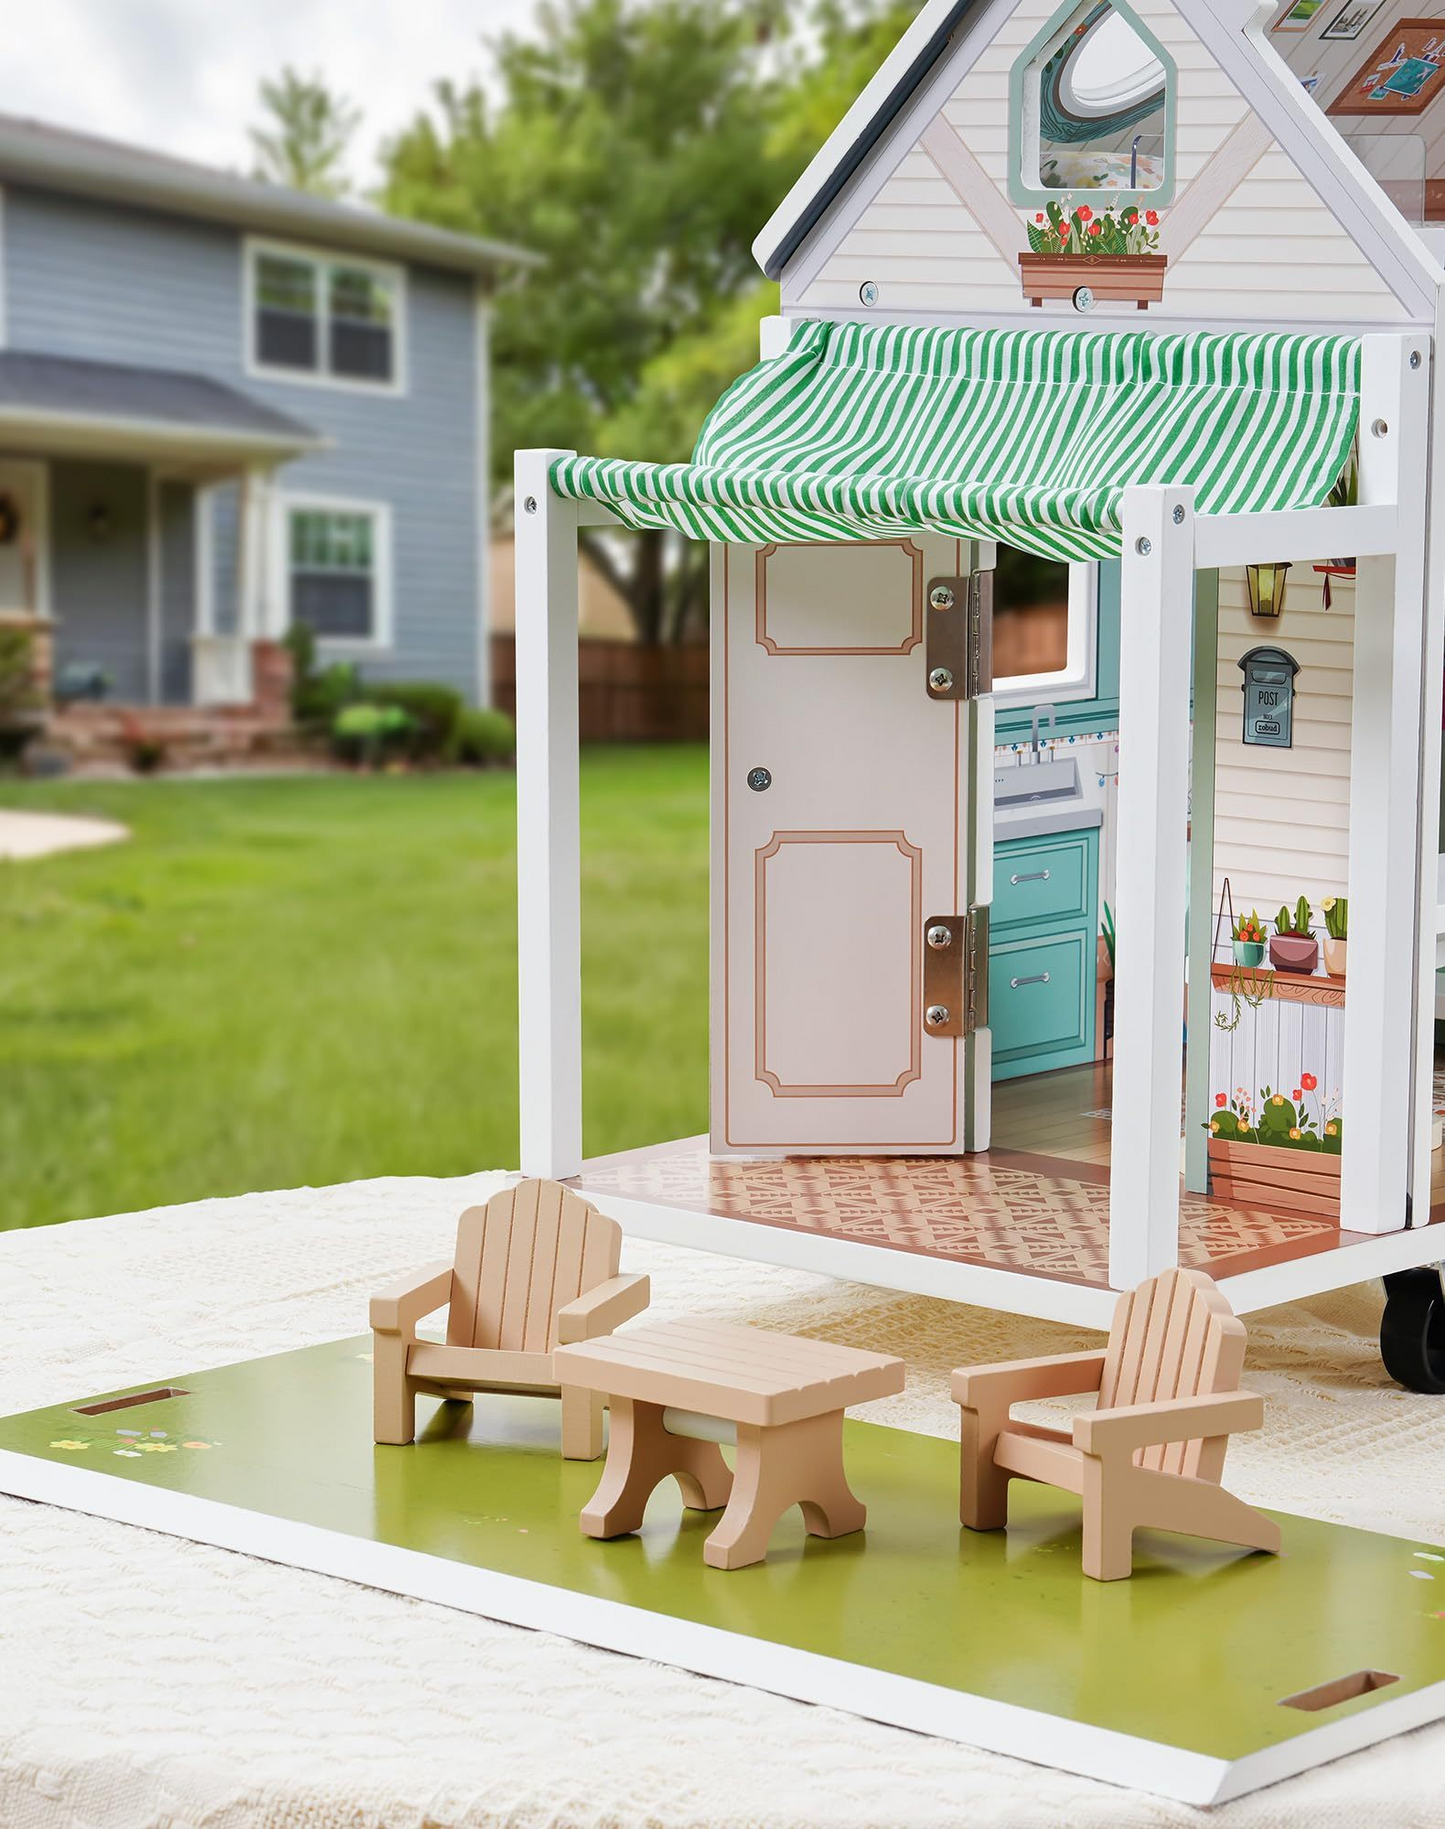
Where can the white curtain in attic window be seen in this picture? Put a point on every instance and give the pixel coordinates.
(1112, 69)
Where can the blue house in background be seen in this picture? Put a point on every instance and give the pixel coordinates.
(226, 407)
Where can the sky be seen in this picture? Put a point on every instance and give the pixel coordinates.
(182, 75)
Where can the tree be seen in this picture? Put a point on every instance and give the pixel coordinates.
(638, 146)
(306, 136)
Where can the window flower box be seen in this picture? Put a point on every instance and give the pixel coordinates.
(1116, 278)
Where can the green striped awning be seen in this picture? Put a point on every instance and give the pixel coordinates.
(1030, 436)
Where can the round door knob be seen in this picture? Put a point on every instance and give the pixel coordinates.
(936, 1015)
(759, 780)
(939, 936)
(940, 680)
(941, 597)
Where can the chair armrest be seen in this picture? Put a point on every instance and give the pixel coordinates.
(1177, 1419)
(399, 1308)
(1061, 1375)
(597, 1311)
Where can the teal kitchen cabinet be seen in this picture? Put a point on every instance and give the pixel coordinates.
(1042, 948)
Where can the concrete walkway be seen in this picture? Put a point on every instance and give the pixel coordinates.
(43, 834)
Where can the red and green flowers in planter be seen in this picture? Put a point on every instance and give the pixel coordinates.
(1303, 1120)
(1076, 229)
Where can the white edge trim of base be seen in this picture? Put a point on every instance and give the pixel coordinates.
(806, 1676)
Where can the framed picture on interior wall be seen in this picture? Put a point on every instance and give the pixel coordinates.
(1351, 20)
(1297, 16)
(1403, 76)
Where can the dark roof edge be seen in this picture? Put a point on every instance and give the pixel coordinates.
(878, 124)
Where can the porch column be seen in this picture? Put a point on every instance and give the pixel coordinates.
(1385, 746)
(549, 897)
(1155, 616)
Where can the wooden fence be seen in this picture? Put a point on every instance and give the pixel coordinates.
(627, 694)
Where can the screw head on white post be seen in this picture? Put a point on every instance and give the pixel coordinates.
(1143, 546)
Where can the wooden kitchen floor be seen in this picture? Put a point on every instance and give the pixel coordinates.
(1037, 1202)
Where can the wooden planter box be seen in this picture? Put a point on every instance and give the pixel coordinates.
(1279, 1180)
(1116, 277)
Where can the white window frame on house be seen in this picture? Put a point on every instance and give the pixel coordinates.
(322, 260)
(1077, 678)
(381, 638)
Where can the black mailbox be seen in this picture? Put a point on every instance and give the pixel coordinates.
(1269, 697)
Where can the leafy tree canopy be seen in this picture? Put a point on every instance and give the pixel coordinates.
(305, 135)
(638, 146)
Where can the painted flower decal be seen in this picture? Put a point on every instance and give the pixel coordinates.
(1221, 1099)
(1296, 1095)
(1308, 1081)
(1084, 213)
(1038, 215)
(1152, 218)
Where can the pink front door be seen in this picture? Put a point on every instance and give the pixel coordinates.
(841, 818)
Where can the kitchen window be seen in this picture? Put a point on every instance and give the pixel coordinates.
(324, 319)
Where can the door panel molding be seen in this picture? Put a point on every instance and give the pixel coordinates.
(895, 1088)
(910, 550)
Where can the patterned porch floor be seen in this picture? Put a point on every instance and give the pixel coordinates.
(1034, 1214)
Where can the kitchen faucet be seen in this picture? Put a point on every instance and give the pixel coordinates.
(1041, 712)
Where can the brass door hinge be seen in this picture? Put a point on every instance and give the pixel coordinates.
(955, 973)
(959, 627)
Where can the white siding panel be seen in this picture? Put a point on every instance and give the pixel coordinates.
(1281, 821)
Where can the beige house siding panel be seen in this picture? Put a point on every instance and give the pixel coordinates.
(1281, 819)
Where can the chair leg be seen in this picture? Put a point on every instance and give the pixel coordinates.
(982, 1487)
(393, 1393)
(640, 1455)
(1109, 1521)
(581, 1423)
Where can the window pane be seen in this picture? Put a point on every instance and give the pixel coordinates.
(361, 324)
(286, 313)
(1101, 108)
(1030, 615)
(334, 604)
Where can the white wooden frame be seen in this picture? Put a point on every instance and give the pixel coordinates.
(1164, 541)
(278, 505)
(323, 259)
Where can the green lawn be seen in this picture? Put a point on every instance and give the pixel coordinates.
(313, 979)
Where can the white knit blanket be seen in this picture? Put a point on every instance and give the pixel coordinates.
(149, 1683)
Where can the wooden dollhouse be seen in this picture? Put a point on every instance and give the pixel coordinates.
(1108, 284)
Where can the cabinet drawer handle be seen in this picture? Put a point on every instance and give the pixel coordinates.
(1031, 876)
(1038, 978)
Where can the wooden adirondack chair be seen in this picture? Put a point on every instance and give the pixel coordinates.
(535, 1268)
(1152, 1451)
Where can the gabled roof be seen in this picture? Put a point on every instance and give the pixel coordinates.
(56, 158)
(1232, 30)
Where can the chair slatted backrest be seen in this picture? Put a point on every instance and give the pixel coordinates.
(1174, 1336)
(520, 1258)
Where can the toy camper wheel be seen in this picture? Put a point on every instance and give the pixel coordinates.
(1412, 1333)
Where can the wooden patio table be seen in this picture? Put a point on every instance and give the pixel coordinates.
(785, 1397)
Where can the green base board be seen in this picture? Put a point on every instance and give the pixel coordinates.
(1171, 1681)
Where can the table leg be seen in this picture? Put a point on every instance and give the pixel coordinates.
(640, 1455)
(792, 1464)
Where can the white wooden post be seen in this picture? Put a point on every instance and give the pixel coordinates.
(549, 896)
(1429, 788)
(1155, 635)
(1385, 744)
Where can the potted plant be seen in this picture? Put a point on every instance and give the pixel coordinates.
(1114, 255)
(1293, 948)
(1248, 1133)
(1249, 940)
(1336, 910)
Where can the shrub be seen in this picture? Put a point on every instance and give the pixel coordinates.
(480, 737)
(21, 705)
(366, 733)
(317, 694)
(145, 749)
(432, 709)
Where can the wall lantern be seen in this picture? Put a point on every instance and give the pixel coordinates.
(98, 521)
(1266, 589)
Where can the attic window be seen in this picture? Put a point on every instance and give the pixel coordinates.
(1093, 108)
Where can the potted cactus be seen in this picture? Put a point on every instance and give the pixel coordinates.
(1336, 910)
(1249, 940)
(1292, 947)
